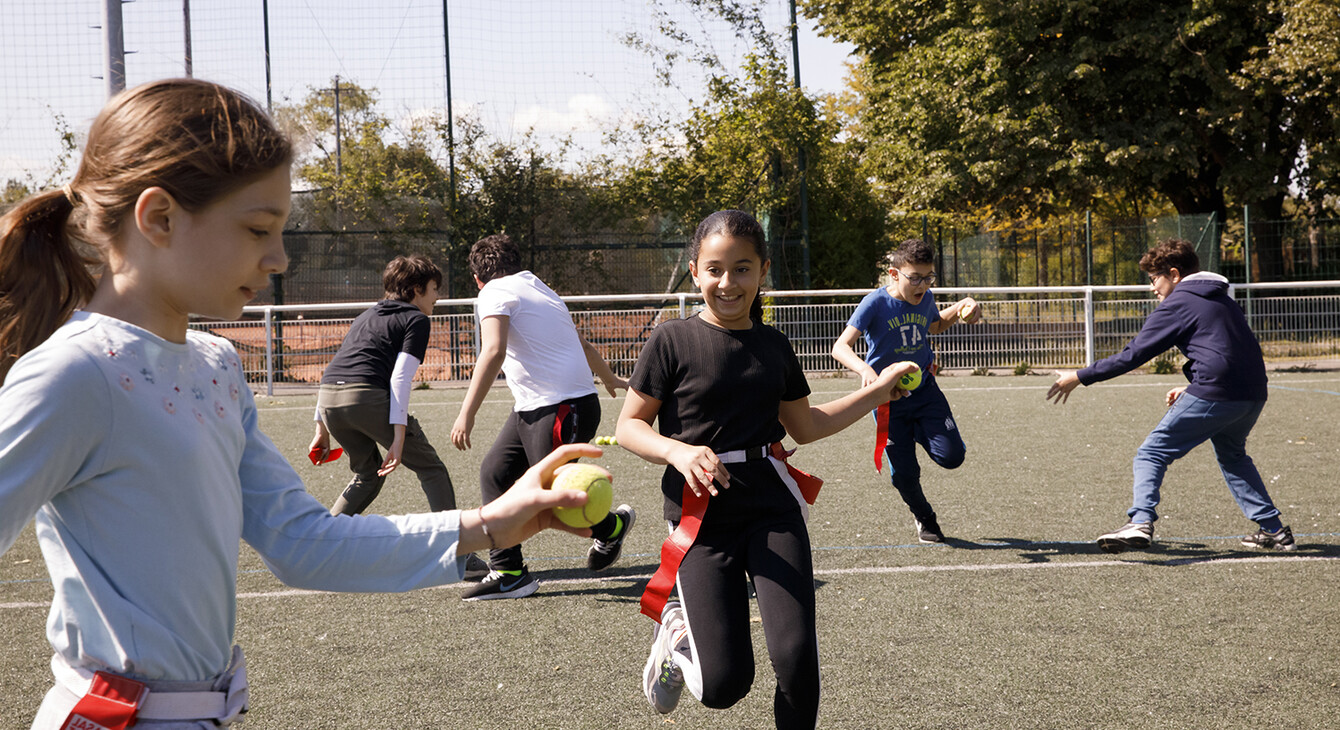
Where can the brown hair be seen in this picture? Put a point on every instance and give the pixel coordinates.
(495, 256)
(404, 276)
(197, 140)
(1173, 253)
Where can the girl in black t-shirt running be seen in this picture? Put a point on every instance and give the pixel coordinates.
(725, 389)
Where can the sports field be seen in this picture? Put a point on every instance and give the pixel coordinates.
(1018, 622)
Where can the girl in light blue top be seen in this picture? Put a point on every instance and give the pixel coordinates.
(135, 442)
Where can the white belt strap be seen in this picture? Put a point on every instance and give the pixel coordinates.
(757, 453)
(224, 705)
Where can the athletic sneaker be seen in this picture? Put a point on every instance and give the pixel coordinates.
(1282, 540)
(1131, 536)
(602, 553)
(662, 679)
(476, 569)
(929, 531)
(502, 585)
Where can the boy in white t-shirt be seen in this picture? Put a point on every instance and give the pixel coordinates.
(528, 334)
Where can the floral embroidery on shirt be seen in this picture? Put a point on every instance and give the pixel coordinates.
(169, 406)
(198, 415)
(127, 383)
(148, 374)
(197, 392)
(232, 390)
(219, 410)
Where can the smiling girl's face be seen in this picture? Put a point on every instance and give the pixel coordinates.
(729, 272)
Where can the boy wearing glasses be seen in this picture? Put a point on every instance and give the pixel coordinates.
(1197, 315)
(897, 321)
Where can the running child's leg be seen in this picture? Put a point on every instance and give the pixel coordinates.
(936, 430)
(1230, 450)
(1187, 424)
(504, 464)
(719, 667)
(904, 470)
(783, 576)
(346, 413)
(419, 456)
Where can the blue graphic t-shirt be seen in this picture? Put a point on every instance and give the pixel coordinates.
(895, 330)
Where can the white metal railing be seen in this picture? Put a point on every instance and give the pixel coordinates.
(1035, 326)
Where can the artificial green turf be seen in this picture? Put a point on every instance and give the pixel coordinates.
(1020, 622)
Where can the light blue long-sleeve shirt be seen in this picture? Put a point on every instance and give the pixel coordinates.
(145, 467)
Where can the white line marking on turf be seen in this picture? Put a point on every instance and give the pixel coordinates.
(872, 570)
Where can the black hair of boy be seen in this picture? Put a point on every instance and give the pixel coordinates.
(405, 277)
(495, 256)
(911, 251)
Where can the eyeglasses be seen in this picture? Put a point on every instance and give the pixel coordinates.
(915, 280)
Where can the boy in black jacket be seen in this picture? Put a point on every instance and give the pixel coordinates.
(1226, 394)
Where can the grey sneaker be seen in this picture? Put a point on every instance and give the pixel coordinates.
(1282, 540)
(502, 585)
(662, 679)
(603, 553)
(1131, 536)
(476, 568)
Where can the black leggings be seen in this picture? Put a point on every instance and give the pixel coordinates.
(775, 554)
(525, 439)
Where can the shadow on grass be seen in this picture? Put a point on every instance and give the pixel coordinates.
(623, 583)
(1162, 552)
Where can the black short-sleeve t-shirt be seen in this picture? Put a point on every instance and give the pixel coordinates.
(719, 388)
(375, 340)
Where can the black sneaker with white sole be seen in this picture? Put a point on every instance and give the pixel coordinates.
(502, 585)
(929, 531)
(1282, 540)
(603, 553)
(1130, 536)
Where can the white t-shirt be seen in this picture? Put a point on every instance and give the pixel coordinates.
(545, 364)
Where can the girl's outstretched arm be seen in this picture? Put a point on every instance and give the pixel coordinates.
(701, 468)
(806, 423)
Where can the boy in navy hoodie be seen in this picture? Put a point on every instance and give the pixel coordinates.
(1227, 391)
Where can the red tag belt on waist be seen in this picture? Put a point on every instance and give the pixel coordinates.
(111, 703)
(677, 545)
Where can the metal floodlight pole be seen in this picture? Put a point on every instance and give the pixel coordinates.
(186, 33)
(265, 16)
(113, 47)
(804, 187)
(451, 119)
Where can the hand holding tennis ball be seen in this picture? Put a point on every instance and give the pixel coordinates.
(910, 381)
(969, 311)
(593, 480)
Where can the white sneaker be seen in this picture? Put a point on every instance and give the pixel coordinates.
(1130, 536)
(662, 679)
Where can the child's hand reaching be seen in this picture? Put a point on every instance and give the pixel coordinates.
(1174, 394)
(525, 509)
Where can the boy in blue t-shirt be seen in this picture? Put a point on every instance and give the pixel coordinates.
(897, 321)
(1227, 390)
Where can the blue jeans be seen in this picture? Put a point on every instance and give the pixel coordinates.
(1188, 423)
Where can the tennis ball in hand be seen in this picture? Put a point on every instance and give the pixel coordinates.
(965, 312)
(593, 480)
(910, 381)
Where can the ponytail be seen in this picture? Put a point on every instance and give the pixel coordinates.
(43, 277)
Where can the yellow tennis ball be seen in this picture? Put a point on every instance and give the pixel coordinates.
(910, 381)
(966, 312)
(593, 480)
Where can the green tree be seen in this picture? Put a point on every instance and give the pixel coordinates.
(1032, 108)
(739, 148)
(362, 178)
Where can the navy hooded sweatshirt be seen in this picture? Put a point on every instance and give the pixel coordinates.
(1199, 317)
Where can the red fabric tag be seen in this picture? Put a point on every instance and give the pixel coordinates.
(562, 415)
(881, 435)
(332, 455)
(111, 703)
(672, 554)
(808, 483)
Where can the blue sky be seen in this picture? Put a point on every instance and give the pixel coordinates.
(557, 66)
